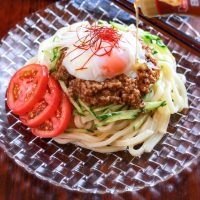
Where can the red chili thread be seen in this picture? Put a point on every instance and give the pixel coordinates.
(94, 40)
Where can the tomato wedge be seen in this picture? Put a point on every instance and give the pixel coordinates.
(26, 88)
(57, 123)
(46, 107)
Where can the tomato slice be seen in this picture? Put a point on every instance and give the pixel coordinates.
(57, 123)
(46, 107)
(26, 88)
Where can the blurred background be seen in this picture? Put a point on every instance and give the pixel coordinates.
(12, 11)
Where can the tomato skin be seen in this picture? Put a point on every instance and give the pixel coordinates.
(58, 125)
(45, 108)
(28, 89)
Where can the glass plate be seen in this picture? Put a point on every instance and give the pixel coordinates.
(76, 168)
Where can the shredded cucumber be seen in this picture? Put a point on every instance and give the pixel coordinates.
(102, 23)
(148, 38)
(78, 108)
(115, 25)
(77, 130)
(106, 109)
(87, 108)
(149, 106)
(111, 113)
(101, 108)
(160, 50)
(54, 55)
(56, 39)
(154, 52)
(127, 114)
(116, 116)
(153, 41)
(116, 107)
(113, 108)
(119, 26)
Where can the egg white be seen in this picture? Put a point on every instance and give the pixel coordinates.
(67, 37)
(93, 69)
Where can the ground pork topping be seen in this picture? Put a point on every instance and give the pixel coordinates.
(118, 90)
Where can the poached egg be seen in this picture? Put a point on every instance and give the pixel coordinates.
(103, 59)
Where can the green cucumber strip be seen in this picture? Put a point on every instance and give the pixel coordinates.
(160, 43)
(153, 40)
(116, 107)
(109, 108)
(119, 26)
(78, 108)
(46, 52)
(154, 52)
(102, 22)
(106, 111)
(77, 130)
(127, 114)
(101, 108)
(116, 116)
(149, 106)
(56, 39)
(86, 107)
(54, 55)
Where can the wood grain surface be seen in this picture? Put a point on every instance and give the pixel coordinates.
(16, 183)
(12, 11)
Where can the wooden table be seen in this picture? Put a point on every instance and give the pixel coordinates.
(16, 183)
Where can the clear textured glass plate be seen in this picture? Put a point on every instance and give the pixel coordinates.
(76, 168)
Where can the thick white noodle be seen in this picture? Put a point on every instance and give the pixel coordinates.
(121, 135)
(139, 135)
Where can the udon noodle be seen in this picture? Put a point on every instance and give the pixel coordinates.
(137, 135)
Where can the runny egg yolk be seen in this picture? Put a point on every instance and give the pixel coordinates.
(114, 65)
